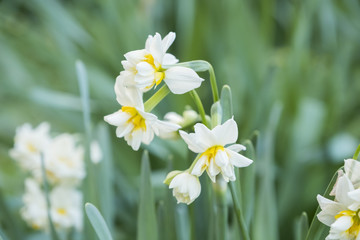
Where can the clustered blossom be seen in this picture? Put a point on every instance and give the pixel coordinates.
(63, 160)
(342, 214)
(145, 69)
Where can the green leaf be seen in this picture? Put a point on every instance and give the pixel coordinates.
(318, 230)
(216, 114)
(301, 227)
(147, 223)
(226, 103)
(98, 222)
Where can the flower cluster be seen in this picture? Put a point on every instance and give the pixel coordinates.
(61, 158)
(144, 70)
(342, 214)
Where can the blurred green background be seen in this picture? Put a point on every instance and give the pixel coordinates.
(293, 67)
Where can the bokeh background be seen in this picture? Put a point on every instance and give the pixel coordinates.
(293, 67)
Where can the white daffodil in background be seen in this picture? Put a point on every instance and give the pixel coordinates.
(188, 117)
(34, 211)
(133, 123)
(64, 161)
(186, 187)
(215, 156)
(148, 67)
(342, 214)
(29, 143)
(66, 207)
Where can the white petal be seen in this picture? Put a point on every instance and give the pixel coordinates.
(123, 130)
(221, 159)
(236, 147)
(342, 223)
(167, 41)
(352, 170)
(117, 118)
(136, 139)
(190, 140)
(144, 82)
(213, 169)
(355, 195)
(204, 136)
(173, 117)
(226, 133)
(198, 168)
(155, 48)
(127, 96)
(169, 59)
(194, 188)
(145, 69)
(134, 57)
(162, 127)
(181, 79)
(148, 135)
(238, 160)
(342, 188)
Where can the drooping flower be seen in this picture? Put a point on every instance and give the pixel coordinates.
(186, 187)
(64, 161)
(148, 67)
(133, 123)
(29, 143)
(343, 214)
(215, 156)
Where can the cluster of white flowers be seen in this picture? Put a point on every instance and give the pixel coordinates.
(146, 69)
(64, 167)
(342, 214)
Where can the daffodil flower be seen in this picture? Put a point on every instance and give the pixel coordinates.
(133, 123)
(343, 214)
(148, 67)
(215, 156)
(186, 187)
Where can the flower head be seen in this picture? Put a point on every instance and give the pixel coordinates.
(343, 214)
(29, 143)
(186, 187)
(133, 123)
(215, 156)
(148, 67)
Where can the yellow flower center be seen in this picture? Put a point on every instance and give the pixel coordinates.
(135, 118)
(61, 211)
(210, 153)
(354, 230)
(31, 148)
(159, 72)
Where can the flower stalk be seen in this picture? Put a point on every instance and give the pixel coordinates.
(357, 152)
(154, 100)
(200, 107)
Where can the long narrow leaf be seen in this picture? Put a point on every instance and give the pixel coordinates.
(98, 222)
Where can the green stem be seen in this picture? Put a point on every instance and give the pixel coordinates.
(239, 216)
(156, 98)
(214, 88)
(200, 107)
(357, 152)
(221, 215)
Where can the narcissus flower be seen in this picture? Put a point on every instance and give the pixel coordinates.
(186, 187)
(215, 156)
(29, 143)
(343, 214)
(148, 67)
(133, 123)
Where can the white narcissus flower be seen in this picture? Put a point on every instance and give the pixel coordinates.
(186, 187)
(341, 215)
(133, 123)
(34, 211)
(149, 67)
(29, 143)
(66, 208)
(352, 171)
(215, 158)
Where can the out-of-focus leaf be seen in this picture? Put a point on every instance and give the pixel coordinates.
(98, 222)
(147, 223)
(301, 227)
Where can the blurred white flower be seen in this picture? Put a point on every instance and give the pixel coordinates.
(66, 207)
(64, 161)
(147, 68)
(95, 152)
(133, 123)
(215, 158)
(29, 143)
(188, 117)
(341, 215)
(186, 187)
(34, 211)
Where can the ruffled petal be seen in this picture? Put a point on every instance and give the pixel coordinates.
(227, 132)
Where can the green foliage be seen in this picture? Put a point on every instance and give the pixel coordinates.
(98, 222)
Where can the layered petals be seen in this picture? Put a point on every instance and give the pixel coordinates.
(186, 187)
(181, 79)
